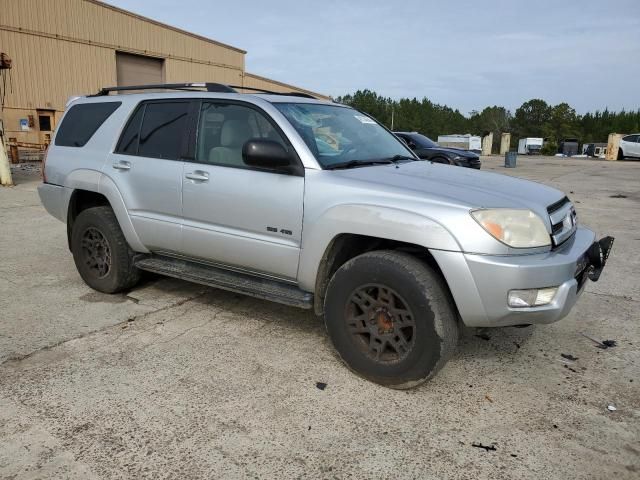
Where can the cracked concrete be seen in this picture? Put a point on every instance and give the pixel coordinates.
(174, 380)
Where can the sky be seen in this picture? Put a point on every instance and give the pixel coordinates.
(464, 54)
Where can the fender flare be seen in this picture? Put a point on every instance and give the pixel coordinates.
(386, 223)
(108, 188)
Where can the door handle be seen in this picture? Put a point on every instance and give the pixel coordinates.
(122, 165)
(198, 176)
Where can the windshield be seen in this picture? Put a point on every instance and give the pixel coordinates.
(336, 134)
(422, 141)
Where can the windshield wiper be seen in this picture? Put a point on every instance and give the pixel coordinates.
(397, 158)
(358, 163)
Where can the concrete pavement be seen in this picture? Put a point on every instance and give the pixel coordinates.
(174, 380)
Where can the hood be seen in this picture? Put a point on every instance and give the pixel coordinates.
(458, 186)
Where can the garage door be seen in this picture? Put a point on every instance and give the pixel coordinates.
(138, 70)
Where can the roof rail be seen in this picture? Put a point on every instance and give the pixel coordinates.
(270, 92)
(209, 87)
(196, 87)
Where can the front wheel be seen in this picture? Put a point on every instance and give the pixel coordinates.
(620, 154)
(390, 318)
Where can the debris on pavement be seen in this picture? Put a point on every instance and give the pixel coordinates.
(618, 195)
(483, 336)
(568, 356)
(603, 345)
(611, 408)
(488, 448)
(488, 398)
(569, 368)
(321, 385)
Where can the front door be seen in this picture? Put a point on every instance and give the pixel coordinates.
(233, 214)
(147, 169)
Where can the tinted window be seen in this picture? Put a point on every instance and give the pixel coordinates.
(630, 138)
(82, 121)
(422, 141)
(225, 128)
(130, 137)
(164, 127)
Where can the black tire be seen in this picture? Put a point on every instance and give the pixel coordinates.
(101, 253)
(354, 324)
(620, 154)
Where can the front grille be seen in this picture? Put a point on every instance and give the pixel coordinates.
(564, 220)
(557, 205)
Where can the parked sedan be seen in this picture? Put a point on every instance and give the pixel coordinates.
(629, 146)
(427, 149)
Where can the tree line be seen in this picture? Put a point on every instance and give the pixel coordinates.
(534, 118)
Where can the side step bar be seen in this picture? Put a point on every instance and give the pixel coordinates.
(258, 287)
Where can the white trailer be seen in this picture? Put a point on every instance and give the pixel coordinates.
(530, 145)
(464, 142)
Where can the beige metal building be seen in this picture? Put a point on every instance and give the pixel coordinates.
(61, 48)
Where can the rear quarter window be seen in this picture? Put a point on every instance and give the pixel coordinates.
(82, 121)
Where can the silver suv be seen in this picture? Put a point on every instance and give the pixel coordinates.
(316, 205)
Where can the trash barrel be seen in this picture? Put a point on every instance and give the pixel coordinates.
(510, 159)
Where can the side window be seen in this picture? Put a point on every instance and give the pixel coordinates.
(82, 121)
(630, 138)
(223, 129)
(164, 130)
(130, 137)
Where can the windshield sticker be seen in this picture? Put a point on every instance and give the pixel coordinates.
(364, 119)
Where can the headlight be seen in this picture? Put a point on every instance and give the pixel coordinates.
(516, 228)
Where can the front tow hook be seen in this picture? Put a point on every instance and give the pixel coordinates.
(598, 254)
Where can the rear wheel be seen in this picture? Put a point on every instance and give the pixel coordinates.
(101, 253)
(390, 318)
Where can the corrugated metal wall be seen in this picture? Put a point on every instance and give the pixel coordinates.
(65, 47)
(256, 81)
(61, 48)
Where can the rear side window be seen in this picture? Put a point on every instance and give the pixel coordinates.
(130, 138)
(164, 130)
(82, 121)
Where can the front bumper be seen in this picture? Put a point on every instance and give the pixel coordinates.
(480, 283)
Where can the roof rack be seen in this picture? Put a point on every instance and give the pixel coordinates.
(270, 92)
(191, 87)
(196, 87)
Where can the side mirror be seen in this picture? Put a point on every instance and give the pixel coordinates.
(265, 154)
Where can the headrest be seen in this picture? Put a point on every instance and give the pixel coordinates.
(234, 133)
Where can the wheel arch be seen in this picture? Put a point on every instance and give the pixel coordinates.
(346, 246)
(107, 195)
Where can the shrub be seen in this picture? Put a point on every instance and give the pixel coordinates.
(549, 148)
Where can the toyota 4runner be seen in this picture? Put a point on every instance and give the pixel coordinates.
(315, 205)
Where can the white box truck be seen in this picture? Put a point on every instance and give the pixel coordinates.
(530, 146)
(464, 142)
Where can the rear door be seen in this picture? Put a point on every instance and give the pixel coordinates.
(147, 168)
(233, 214)
(635, 146)
(629, 145)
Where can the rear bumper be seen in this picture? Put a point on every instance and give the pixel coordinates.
(55, 200)
(480, 283)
